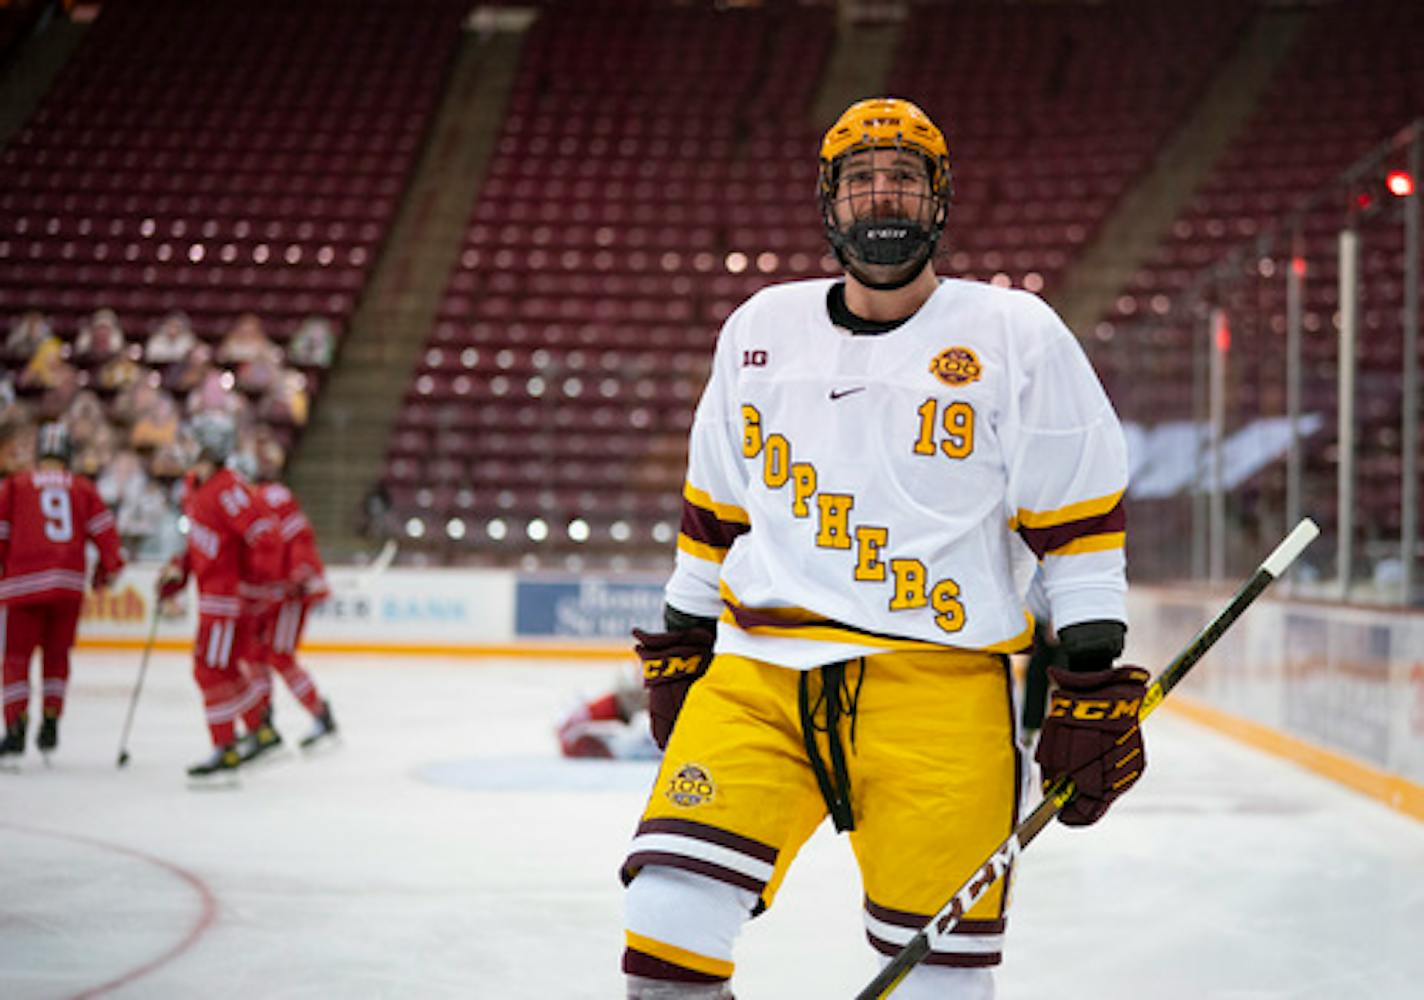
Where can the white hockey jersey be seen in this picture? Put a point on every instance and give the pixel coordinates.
(848, 495)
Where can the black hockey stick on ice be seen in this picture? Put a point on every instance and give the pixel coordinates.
(1058, 794)
(138, 686)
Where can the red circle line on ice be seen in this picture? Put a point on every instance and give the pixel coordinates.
(207, 900)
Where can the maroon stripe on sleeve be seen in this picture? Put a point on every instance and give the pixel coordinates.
(701, 525)
(1045, 540)
(712, 835)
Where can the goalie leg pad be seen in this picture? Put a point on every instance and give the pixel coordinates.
(681, 927)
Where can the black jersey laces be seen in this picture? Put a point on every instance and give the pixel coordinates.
(835, 700)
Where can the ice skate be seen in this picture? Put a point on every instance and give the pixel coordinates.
(48, 739)
(323, 735)
(13, 745)
(263, 746)
(217, 771)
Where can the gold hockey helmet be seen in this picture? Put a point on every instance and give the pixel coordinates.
(886, 123)
(885, 252)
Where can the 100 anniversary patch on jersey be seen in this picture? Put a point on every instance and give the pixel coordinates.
(690, 786)
(956, 366)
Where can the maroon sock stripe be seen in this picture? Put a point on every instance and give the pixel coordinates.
(638, 963)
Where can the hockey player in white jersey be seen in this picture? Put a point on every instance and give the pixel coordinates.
(877, 465)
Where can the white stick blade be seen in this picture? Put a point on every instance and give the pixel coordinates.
(1293, 545)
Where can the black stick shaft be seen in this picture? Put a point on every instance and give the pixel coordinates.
(138, 686)
(1058, 794)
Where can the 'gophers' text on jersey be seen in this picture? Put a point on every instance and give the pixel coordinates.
(848, 494)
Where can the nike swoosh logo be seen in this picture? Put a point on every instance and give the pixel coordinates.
(838, 393)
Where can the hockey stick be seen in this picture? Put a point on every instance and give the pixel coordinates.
(1058, 794)
(138, 686)
(383, 558)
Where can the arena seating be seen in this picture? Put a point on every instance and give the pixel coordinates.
(1327, 106)
(216, 160)
(219, 158)
(1052, 111)
(655, 167)
(626, 214)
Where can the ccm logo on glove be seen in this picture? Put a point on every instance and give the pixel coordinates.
(672, 667)
(1093, 709)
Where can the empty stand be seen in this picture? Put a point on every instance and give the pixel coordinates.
(1329, 104)
(654, 169)
(220, 158)
(1052, 111)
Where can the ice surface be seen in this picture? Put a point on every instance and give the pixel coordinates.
(444, 850)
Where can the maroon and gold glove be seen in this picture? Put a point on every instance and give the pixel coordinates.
(1092, 736)
(671, 662)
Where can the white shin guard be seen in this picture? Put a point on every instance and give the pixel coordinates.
(687, 911)
(941, 982)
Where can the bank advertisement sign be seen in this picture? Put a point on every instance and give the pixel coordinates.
(392, 609)
(587, 609)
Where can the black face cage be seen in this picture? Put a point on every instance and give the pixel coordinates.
(887, 241)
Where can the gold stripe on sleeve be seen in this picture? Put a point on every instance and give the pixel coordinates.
(1091, 543)
(700, 550)
(723, 511)
(1080, 511)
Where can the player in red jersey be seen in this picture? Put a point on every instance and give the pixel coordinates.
(302, 584)
(230, 540)
(47, 515)
(612, 726)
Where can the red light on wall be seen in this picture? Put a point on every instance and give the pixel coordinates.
(1400, 183)
(1223, 334)
(1298, 266)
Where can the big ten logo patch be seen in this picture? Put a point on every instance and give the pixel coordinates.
(691, 785)
(956, 366)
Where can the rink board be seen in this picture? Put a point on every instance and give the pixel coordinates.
(1339, 689)
(398, 610)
